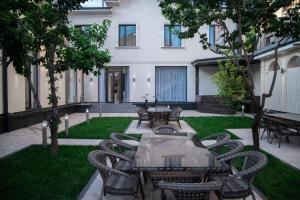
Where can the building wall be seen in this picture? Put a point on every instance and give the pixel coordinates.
(16, 91)
(281, 100)
(206, 86)
(150, 50)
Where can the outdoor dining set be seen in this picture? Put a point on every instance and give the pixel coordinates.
(279, 124)
(158, 114)
(177, 165)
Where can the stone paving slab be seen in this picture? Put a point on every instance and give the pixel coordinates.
(144, 128)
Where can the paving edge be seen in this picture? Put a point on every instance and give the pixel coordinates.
(88, 185)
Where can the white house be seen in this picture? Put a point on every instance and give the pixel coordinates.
(147, 57)
(150, 59)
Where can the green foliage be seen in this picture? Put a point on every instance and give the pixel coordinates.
(253, 17)
(33, 174)
(230, 84)
(84, 51)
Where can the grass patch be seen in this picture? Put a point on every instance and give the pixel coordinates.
(33, 174)
(206, 126)
(277, 180)
(98, 128)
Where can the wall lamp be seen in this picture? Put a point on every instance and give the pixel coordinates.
(133, 79)
(148, 79)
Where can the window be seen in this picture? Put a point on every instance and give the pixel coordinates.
(127, 35)
(171, 84)
(215, 35)
(171, 38)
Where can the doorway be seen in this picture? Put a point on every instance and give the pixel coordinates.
(114, 86)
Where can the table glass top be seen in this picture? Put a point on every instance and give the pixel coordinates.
(159, 109)
(174, 153)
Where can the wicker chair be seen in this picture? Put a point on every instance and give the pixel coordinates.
(283, 129)
(191, 191)
(119, 137)
(167, 130)
(221, 150)
(238, 185)
(122, 165)
(174, 116)
(143, 116)
(219, 137)
(115, 182)
(269, 127)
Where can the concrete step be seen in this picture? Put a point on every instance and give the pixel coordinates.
(113, 108)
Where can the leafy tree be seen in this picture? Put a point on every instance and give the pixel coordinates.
(230, 85)
(43, 27)
(251, 19)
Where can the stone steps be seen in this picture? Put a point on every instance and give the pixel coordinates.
(113, 108)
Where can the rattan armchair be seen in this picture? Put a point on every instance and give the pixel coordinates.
(191, 191)
(219, 137)
(122, 165)
(174, 116)
(284, 130)
(167, 130)
(119, 137)
(221, 150)
(115, 182)
(143, 116)
(238, 185)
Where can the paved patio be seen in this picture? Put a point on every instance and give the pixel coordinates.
(145, 128)
(288, 152)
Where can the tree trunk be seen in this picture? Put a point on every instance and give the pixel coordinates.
(54, 115)
(5, 63)
(255, 129)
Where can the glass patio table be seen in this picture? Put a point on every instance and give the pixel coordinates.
(172, 154)
(158, 114)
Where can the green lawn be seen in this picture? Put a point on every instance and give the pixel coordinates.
(98, 128)
(278, 180)
(205, 126)
(33, 174)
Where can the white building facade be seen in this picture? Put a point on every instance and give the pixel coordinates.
(147, 58)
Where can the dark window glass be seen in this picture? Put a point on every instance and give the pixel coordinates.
(171, 36)
(127, 35)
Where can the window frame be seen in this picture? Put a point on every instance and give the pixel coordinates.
(167, 28)
(119, 34)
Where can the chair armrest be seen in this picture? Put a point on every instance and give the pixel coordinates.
(120, 156)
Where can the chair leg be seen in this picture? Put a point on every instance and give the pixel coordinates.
(279, 141)
(178, 122)
(253, 195)
(263, 133)
(142, 191)
(138, 124)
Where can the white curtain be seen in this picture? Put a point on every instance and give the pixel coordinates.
(171, 84)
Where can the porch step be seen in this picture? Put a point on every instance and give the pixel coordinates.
(213, 104)
(113, 108)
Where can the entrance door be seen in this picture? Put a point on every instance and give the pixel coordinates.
(114, 86)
